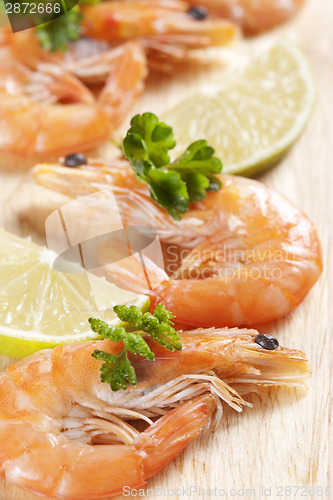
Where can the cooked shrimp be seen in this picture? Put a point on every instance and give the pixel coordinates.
(246, 254)
(69, 433)
(117, 20)
(253, 15)
(92, 61)
(49, 111)
(166, 30)
(161, 24)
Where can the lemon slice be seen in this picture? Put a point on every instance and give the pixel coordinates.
(255, 117)
(42, 307)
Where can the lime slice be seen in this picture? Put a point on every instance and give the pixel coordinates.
(42, 307)
(254, 119)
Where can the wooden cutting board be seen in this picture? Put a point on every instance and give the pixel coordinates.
(285, 440)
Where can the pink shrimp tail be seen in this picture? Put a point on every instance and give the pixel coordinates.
(169, 435)
(125, 84)
(49, 465)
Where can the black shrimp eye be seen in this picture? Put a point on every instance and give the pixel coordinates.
(198, 13)
(267, 341)
(75, 160)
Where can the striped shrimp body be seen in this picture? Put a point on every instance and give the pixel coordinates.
(91, 61)
(245, 254)
(124, 19)
(252, 15)
(72, 437)
(117, 20)
(47, 110)
(166, 31)
(170, 30)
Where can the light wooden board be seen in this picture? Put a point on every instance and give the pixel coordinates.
(285, 440)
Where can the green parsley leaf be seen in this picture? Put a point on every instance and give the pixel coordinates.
(2, 8)
(198, 157)
(117, 369)
(125, 371)
(128, 314)
(115, 334)
(167, 337)
(148, 140)
(137, 345)
(197, 184)
(172, 185)
(163, 315)
(214, 183)
(169, 191)
(56, 34)
(160, 328)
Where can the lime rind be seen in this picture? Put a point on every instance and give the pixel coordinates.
(42, 307)
(268, 159)
(19, 344)
(284, 62)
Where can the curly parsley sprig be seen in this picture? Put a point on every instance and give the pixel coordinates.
(117, 369)
(58, 32)
(172, 185)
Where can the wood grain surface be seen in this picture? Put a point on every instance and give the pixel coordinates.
(285, 440)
